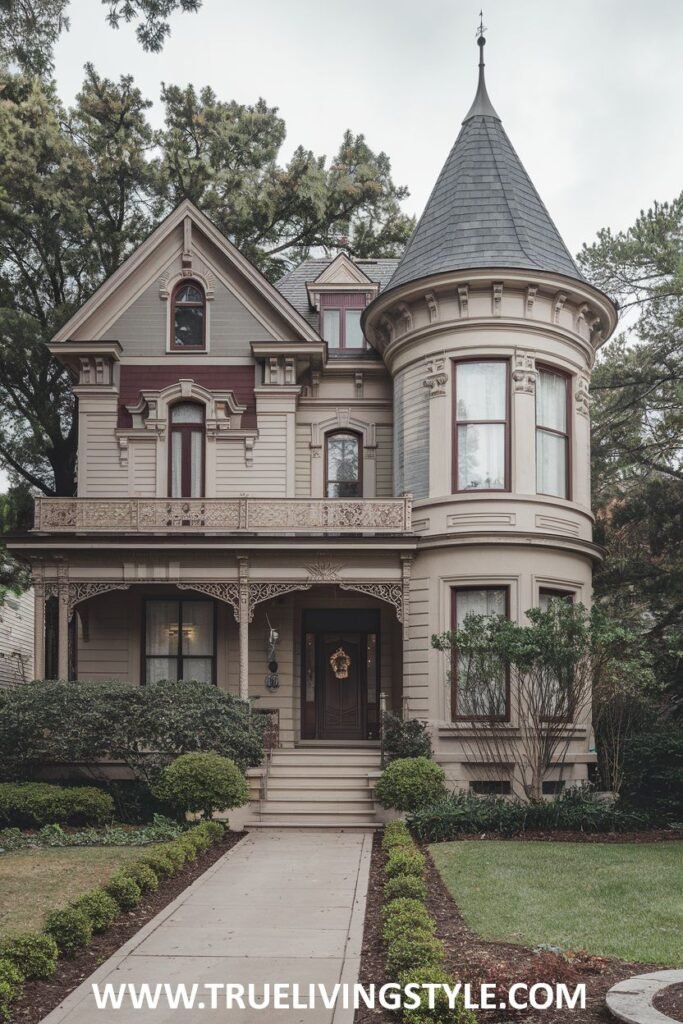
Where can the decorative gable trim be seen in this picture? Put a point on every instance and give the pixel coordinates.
(341, 275)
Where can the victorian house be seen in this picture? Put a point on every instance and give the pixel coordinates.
(286, 490)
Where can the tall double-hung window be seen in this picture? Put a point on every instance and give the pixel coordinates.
(479, 692)
(482, 428)
(552, 434)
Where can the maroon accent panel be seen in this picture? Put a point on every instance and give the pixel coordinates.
(136, 378)
(343, 300)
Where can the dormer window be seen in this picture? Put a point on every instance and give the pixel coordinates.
(188, 321)
(340, 322)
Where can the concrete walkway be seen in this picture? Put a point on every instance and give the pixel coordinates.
(281, 906)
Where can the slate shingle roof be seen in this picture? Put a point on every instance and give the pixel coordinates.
(484, 210)
(293, 285)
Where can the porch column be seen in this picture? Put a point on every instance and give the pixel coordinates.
(63, 629)
(243, 563)
(39, 625)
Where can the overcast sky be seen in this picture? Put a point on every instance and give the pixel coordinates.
(589, 91)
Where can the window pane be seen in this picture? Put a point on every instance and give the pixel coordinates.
(162, 618)
(198, 627)
(343, 466)
(481, 391)
(354, 335)
(187, 412)
(199, 670)
(176, 464)
(551, 464)
(486, 601)
(481, 456)
(546, 596)
(161, 668)
(189, 293)
(189, 326)
(478, 698)
(331, 327)
(196, 474)
(551, 401)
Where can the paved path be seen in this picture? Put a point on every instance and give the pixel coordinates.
(281, 906)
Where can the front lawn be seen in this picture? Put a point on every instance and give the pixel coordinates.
(34, 882)
(623, 900)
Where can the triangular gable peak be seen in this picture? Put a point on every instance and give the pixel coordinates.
(186, 244)
(341, 275)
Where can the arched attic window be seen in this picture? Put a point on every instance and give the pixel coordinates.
(343, 465)
(186, 450)
(188, 317)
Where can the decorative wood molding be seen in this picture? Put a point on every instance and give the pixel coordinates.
(432, 306)
(79, 591)
(530, 300)
(582, 394)
(524, 373)
(436, 377)
(497, 298)
(463, 300)
(229, 593)
(323, 571)
(558, 304)
(259, 592)
(392, 593)
(406, 317)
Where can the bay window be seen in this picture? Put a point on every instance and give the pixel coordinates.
(552, 434)
(479, 687)
(481, 439)
(179, 640)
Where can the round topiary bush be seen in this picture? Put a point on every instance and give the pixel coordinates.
(405, 885)
(124, 890)
(396, 834)
(410, 783)
(143, 875)
(417, 949)
(33, 953)
(99, 907)
(407, 923)
(70, 928)
(404, 862)
(203, 782)
(214, 830)
(401, 905)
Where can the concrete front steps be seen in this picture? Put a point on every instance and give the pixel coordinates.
(319, 787)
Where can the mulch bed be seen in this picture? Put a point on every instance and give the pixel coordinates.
(40, 997)
(474, 960)
(670, 1002)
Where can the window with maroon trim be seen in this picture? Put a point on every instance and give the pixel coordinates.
(474, 699)
(188, 320)
(482, 426)
(556, 689)
(552, 433)
(343, 465)
(340, 322)
(186, 451)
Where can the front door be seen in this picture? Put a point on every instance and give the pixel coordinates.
(341, 675)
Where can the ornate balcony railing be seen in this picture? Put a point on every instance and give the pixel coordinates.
(222, 515)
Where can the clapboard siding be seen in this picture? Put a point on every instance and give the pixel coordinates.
(16, 639)
(105, 653)
(143, 469)
(267, 476)
(417, 650)
(101, 473)
(411, 434)
(141, 330)
(303, 461)
(384, 481)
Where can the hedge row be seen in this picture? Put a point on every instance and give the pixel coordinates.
(34, 804)
(414, 955)
(33, 956)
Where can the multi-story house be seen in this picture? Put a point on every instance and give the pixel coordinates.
(286, 490)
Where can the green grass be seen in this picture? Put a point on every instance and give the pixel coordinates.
(619, 900)
(34, 882)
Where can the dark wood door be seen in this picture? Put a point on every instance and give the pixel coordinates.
(341, 686)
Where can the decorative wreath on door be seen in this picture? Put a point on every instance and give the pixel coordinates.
(341, 663)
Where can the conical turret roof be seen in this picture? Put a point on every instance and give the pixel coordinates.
(484, 210)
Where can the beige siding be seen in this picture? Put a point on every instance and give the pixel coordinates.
(385, 480)
(100, 472)
(267, 476)
(411, 433)
(106, 641)
(16, 639)
(303, 461)
(417, 650)
(143, 469)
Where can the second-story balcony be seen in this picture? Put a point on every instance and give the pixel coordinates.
(223, 515)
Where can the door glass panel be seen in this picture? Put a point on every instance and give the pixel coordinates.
(481, 456)
(309, 667)
(372, 668)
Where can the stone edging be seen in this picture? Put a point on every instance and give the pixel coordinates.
(631, 1000)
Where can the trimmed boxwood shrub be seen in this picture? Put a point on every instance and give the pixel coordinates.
(34, 804)
(11, 983)
(176, 853)
(418, 949)
(404, 862)
(401, 905)
(99, 907)
(405, 886)
(205, 782)
(142, 874)
(215, 830)
(396, 833)
(440, 1012)
(159, 863)
(70, 928)
(124, 890)
(410, 783)
(33, 953)
(407, 923)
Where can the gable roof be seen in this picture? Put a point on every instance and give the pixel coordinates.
(293, 285)
(131, 265)
(484, 210)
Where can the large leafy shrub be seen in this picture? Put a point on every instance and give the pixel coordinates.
(11, 983)
(70, 928)
(99, 907)
(33, 953)
(577, 810)
(146, 727)
(204, 782)
(30, 804)
(124, 890)
(653, 772)
(410, 783)
(405, 737)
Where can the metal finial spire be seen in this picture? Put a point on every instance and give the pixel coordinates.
(482, 105)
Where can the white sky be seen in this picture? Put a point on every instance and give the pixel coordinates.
(588, 90)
